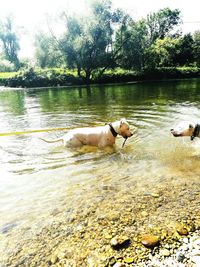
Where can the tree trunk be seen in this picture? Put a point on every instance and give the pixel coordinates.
(87, 76)
(79, 71)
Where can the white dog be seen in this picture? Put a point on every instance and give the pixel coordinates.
(100, 136)
(186, 129)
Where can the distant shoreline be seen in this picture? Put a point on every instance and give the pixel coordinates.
(63, 78)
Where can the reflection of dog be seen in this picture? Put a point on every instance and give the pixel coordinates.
(186, 129)
(95, 136)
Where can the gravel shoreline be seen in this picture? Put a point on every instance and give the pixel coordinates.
(119, 227)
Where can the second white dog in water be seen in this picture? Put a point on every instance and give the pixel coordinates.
(187, 129)
(100, 136)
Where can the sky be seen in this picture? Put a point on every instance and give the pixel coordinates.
(31, 15)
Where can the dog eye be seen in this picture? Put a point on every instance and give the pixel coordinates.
(190, 126)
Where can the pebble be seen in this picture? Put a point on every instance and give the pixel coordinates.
(144, 213)
(54, 259)
(128, 260)
(165, 252)
(182, 230)
(112, 261)
(180, 257)
(155, 195)
(118, 242)
(150, 241)
(119, 264)
(108, 236)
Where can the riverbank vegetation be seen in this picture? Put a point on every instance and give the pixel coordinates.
(65, 77)
(102, 46)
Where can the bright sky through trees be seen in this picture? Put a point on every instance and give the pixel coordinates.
(31, 15)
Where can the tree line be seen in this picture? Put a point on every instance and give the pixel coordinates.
(106, 39)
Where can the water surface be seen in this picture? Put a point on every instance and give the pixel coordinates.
(39, 180)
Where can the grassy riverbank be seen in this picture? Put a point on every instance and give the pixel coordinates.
(65, 77)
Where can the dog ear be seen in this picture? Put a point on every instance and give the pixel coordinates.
(123, 120)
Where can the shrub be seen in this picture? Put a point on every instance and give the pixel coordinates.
(61, 77)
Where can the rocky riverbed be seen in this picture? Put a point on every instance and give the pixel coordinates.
(106, 224)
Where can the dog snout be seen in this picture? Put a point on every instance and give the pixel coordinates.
(129, 135)
(173, 131)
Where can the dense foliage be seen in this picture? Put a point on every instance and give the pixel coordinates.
(95, 46)
(9, 41)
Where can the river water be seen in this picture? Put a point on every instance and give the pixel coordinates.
(39, 180)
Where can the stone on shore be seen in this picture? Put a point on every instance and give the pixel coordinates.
(150, 241)
(182, 230)
(118, 242)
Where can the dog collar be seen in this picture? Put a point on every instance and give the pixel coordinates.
(114, 133)
(196, 131)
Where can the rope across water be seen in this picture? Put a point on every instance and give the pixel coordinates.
(34, 131)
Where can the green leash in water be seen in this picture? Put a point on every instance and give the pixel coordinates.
(34, 131)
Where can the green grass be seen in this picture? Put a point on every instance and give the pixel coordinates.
(56, 71)
(6, 75)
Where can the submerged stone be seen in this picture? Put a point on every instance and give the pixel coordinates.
(54, 259)
(7, 227)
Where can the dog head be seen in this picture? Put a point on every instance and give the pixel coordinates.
(186, 129)
(124, 129)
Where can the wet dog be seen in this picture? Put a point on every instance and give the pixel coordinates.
(100, 136)
(186, 129)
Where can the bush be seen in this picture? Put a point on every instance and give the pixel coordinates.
(171, 73)
(36, 78)
(61, 77)
(6, 66)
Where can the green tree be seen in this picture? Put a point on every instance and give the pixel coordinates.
(171, 52)
(87, 44)
(165, 50)
(162, 23)
(184, 54)
(10, 41)
(132, 50)
(196, 47)
(47, 53)
(151, 57)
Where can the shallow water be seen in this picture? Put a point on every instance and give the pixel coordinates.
(39, 180)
